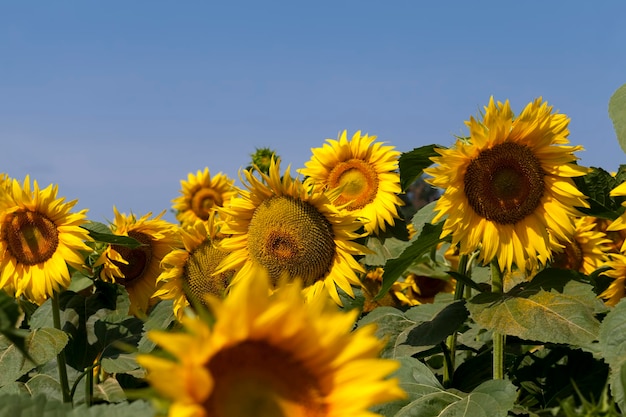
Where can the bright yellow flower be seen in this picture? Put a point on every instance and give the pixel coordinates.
(616, 289)
(272, 356)
(619, 224)
(39, 238)
(280, 227)
(508, 187)
(188, 274)
(202, 195)
(588, 249)
(138, 268)
(364, 172)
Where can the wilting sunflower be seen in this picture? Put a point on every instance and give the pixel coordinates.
(272, 356)
(508, 187)
(202, 195)
(39, 238)
(365, 174)
(138, 268)
(616, 289)
(278, 226)
(588, 249)
(188, 274)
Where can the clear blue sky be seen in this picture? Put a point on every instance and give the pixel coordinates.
(117, 101)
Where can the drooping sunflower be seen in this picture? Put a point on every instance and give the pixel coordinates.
(508, 186)
(280, 227)
(137, 268)
(364, 172)
(188, 273)
(617, 288)
(272, 356)
(202, 195)
(39, 238)
(588, 249)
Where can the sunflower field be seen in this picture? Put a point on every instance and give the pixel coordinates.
(483, 277)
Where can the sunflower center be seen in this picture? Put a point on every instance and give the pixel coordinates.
(358, 182)
(198, 277)
(31, 237)
(254, 378)
(504, 184)
(204, 201)
(138, 258)
(291, 236)
(570, 258)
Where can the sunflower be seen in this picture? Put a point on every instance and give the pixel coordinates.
(365, 174)
(202, 195)
(508, 187)
(588, 249)
(39, 238)
(616, 289)
(278, 226)
(271, 355)
(138, 268)
(619, 224)
(188, 273)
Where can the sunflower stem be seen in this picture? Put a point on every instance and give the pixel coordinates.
(448, 366)
(499, 339)
(61, 362)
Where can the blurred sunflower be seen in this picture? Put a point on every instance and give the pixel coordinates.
(616, 289)
(588, 249)
(508, 187)
(188, 274)
(39, 238)
(272, 355)
(365, 174)
(278, 226)
(619, 224)
(617, 237)
(138, 268)
(202, 195)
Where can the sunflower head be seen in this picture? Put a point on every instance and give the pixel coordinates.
(280, 227)
(202, 195)
(188, 274)
(617, 288)
(362, 173)
(587, 251)
(137, 268)
(269, 355)
(39, 238)
(508, 186)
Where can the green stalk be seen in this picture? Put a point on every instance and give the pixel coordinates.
(499, 339)
(449, 365)
(61, 362)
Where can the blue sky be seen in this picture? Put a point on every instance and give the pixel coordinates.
(117, 101)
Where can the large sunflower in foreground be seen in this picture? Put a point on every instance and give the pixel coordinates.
(280, 227)
(365, 174)
(39, 238)
(138, 268)
(188, 274)
(272, 356)
(617, 288)
(588, 249)
(202, 195)
(508, 186)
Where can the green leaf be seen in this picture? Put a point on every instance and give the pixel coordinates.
(42, 346)
(390, 323)
(383, 250)
(545, 316)
(9, 315)
(412, 163)
(612, 343)
(160, 318)
(427, 398)
(436, 330)
(597, 186)
(110, 391)
(122, 409)
(37, 406)
(617, 112)
(44, 385)
(101, 233)
(427, 239)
